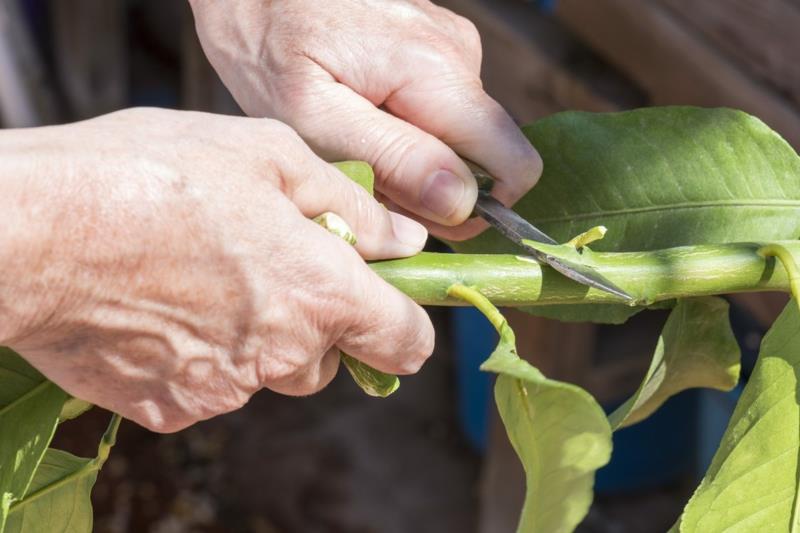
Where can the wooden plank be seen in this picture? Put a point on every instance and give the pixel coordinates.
(672, 62)
(517, 73)
(763, 36)
(91, 55)
(25, 96)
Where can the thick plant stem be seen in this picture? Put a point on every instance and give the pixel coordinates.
(507, 280)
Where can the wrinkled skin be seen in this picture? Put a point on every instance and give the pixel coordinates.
(393, 82)
(162, 264)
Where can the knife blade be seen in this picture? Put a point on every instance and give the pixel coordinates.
(517, 229)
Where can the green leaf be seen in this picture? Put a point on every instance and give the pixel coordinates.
(558, 431)
(59, 499)
(372, 381)
(752, 483)
(600, 313)
(657, 178)
(29, 410)
(560, 434)
(73, 408)
(696, 349)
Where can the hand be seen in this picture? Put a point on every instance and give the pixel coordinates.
(395, 83)
(162, 264)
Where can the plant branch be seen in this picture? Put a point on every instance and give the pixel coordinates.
(508, 280)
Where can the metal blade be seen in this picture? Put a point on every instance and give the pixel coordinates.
(517, 229)
(586, 275)
(507, 222)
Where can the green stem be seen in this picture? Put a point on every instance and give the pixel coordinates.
(788, 262)
(108, 441)
(507, 280)
(479, 301)
(482, 303)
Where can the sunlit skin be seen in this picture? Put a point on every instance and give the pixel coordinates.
(395, 83)
(163, 264)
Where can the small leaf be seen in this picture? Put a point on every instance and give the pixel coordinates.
(73, 408)
(696, 349)
(372, 381)
(59, 499)
(559, 432)
(752, 483)
(29, 409)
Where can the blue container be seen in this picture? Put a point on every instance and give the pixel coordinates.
(654, 452)
(474, 339)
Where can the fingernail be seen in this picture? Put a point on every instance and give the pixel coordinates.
(409, 232)
(442, 193)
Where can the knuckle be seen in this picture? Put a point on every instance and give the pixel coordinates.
(278, 369)
(469, 33)
(393, 155)
(420, 350)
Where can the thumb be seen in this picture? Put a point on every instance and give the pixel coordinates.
(413, 168)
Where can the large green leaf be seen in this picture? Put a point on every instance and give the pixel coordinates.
(29, 413)
(752, 483)
(657, 178)
(660, 177)
(695, 349)
(560, 434)
(59, 498)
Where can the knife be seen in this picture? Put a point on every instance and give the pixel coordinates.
(517, 229)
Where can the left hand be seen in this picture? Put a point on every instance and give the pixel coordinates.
(393, 82)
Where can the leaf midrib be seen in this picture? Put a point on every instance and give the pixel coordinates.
(670, 207)
(32, 392)
(76, 475)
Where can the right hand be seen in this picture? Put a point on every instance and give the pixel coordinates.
(162, 264)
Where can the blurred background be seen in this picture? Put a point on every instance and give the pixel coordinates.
(432, 458)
